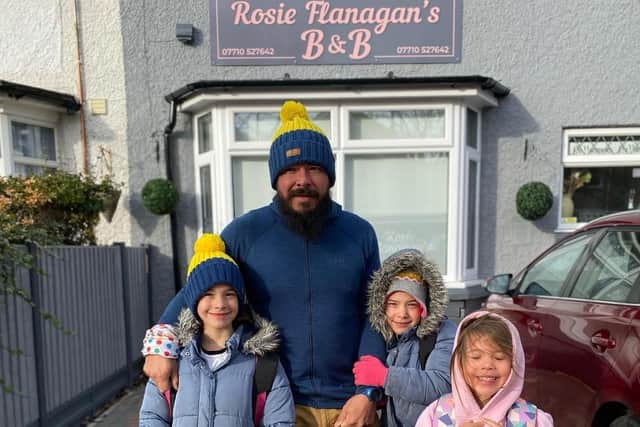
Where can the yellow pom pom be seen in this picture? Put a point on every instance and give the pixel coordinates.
(292, 109)
(208, 243)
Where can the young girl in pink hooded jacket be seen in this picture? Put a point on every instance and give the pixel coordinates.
(487, 374)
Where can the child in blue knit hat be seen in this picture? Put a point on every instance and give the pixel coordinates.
(221, 346)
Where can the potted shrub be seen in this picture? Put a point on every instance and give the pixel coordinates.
(159, 196)
(533, 200)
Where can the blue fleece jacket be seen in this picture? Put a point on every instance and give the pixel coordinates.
(314, 291)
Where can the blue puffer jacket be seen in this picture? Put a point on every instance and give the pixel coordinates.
(221, 397)
(314, 291)
(408, 387)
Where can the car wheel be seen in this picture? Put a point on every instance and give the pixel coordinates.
(626, 421)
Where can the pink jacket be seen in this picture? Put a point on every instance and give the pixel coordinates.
(465, 406)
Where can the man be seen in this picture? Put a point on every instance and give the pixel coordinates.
(306, 264)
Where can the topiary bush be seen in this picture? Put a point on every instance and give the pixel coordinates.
(533, 200)
(159, 196)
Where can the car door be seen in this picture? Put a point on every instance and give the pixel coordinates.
(583, 338)
(536, 289)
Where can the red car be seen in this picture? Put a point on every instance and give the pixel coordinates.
(577, 307)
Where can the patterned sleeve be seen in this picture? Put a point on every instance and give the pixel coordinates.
(160, 340)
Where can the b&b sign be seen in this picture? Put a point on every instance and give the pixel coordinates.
(270, 32)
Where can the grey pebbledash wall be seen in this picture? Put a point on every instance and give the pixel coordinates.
(571, 63)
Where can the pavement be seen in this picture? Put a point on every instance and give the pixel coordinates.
(124, 411)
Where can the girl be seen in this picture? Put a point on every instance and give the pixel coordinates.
(216, 370)
(407, 303)
(487, 375)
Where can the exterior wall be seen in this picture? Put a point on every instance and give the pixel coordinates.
(567, 63)
(38, 49)
(559, 60)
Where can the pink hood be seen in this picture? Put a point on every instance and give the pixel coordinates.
(496, 409)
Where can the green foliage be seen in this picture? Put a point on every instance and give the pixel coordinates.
(59, 208)
(533, 200)
(159, 196)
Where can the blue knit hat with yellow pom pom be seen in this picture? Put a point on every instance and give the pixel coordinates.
(299, 140)
(210, 265)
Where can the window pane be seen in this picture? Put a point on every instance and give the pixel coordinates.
(251, 185)
(252, 127)
(472, 128)
(603, 145)
(405, 124)
(206, 199)
(612, 269)
(594, 192)
(405, 197)
(33, 141)
(204, 133)
(471, 214)
(548, 275)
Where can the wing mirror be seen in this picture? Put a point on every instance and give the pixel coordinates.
(498, 284)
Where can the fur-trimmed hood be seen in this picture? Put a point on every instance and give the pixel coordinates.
(262, 337)
(437, 293)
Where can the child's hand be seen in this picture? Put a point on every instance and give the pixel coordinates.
(369, 371)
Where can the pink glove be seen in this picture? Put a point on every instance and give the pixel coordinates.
(369, 371)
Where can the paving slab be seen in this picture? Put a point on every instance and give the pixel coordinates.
(123, 412)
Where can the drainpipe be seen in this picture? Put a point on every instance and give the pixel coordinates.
(83, 129)
(173, 108)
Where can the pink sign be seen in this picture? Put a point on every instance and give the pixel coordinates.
(255, 32)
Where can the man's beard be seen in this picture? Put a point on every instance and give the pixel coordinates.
(308, 223)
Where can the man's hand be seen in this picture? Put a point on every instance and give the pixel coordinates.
(163, 371)
(357, 412)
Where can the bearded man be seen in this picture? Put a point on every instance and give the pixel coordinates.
(306, 264)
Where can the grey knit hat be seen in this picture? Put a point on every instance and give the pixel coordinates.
(411, 282)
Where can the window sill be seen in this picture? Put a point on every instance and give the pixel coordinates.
(568, 228)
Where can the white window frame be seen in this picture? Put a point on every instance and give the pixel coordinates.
(585, 161)
(471, 154)
(340, 104)
(43, 116)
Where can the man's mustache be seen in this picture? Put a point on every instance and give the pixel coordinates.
(307, 192)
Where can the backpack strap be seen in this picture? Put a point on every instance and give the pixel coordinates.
(426, 346)
(265, 373)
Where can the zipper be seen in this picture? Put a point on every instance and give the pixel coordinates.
(308, 285)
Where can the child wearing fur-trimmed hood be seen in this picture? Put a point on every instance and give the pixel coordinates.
(222, 341)
(407, 303)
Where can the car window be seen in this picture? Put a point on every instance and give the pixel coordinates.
(547, 276)
(612, 268)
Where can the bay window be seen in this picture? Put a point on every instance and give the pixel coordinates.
(410, 167)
